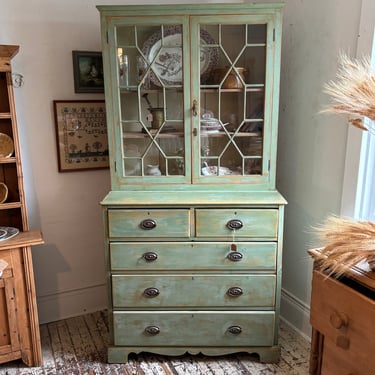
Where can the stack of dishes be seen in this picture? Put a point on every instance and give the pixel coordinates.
(8, 232)
(211, 125)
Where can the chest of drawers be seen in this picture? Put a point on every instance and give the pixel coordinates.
(193, 278)
(343, 317)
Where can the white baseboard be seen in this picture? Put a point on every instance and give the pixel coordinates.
(71, 303)
(295, 313)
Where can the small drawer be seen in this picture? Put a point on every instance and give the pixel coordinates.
(173, 328)
(241, 223)
(344, 316)
(148, 223)
(192, 255)
(193, 291)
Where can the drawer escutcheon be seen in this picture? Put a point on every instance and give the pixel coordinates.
(235, 330)
(152, 330)
(234, 224)
(148, 224)
(235, 291)
(150, 256)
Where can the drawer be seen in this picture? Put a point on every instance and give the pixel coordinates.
(171, 328)
(260, 223)
(148, 223)
(193, 255)
(344, 316)
(194, 291)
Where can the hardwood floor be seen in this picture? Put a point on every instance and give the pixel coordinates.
(77, 346)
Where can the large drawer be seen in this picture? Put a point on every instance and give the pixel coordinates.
(211, 328)
(192, 255)
(194, 291)
(246, 223)
(148, 223)
(345, 317)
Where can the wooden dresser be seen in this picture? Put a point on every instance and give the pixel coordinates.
(343, 320)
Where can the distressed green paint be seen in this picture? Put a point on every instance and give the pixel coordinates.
(261, 223)
(194, 291)
(194, 328)
(192, 272)
(169, 223)
(209, 256)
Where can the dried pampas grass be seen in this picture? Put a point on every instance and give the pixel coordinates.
(353, 93)
(346, 243)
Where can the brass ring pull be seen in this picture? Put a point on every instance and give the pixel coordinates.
(235, 330)
(234, 224)
(148, 224)
(150, 256)
(152, 330)
(235, 256)
(151, 292)
(235, 291)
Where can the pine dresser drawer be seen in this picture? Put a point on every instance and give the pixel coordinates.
(150, 256)
(140, 223)
(346, 318)
(211, 328)
(241, 223)
(195, 291)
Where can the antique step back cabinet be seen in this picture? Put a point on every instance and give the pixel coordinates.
(193, 221)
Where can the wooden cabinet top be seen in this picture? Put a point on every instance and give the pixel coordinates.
(22, 239)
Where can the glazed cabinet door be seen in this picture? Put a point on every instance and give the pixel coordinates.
(235, 113)
(149, 65)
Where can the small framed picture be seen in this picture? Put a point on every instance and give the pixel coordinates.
(81, 134)
(88, 72)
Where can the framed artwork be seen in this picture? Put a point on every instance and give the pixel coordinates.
(81, 134)
(88, 72)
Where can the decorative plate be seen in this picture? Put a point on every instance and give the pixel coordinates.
(10, 232)
(166, 55)
(6, 146)
(3, 192)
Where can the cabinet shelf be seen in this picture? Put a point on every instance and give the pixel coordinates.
(5, 115)
(10, 205)
(8, 160)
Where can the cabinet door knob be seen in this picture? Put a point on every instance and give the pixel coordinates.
(234, 291)
(235, 256)
(338, 320)
(151, 292)
(150, 256)
(235, 330)
(152, 330)
(234, 224)
(148, 224)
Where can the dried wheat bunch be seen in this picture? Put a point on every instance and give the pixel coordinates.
(346, 243)
(353, 93)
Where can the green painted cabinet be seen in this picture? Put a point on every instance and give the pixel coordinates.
(193, 221)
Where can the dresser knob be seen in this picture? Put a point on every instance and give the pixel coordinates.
(148, 224)
(150, 256)
(338, 320)
(152, 330)
(234, 256)
(151, 292)
(234, 224)
(235, 291)
(235, 330)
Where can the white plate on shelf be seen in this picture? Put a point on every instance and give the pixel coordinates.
(9, 233)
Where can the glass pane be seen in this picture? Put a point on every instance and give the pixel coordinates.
(232, 100)
(150, 82)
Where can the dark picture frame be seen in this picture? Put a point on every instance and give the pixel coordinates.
(88, 72)
(81, 134)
